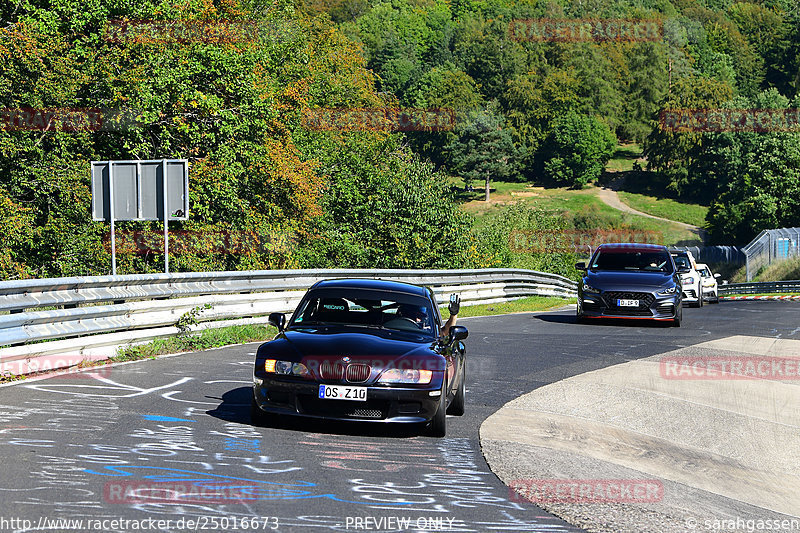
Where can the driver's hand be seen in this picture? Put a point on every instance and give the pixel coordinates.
(455, 304)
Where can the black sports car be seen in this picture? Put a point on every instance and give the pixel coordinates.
(367, 350)
(634, 281)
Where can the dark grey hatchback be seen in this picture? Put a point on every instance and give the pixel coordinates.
(630, 281)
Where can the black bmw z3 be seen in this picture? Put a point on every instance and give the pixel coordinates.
(630, 281)
(362, 350)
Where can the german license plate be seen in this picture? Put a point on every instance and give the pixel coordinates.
(628, 303)
(341, 392)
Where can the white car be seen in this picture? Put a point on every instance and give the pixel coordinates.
(690, 277)
(709, 283)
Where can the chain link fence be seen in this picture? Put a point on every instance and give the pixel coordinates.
(770, 246)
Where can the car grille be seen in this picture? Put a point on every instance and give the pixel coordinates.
(331, 370)
(342, 408)
(645, 301)
(357, 373)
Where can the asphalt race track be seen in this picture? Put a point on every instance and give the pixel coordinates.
(110, 450)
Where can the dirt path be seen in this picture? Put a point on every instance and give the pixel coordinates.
(610, 197)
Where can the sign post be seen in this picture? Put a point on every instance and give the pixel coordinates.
(140, 190)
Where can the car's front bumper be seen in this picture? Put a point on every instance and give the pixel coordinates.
(710, 293)
(654, 307)
(383, 404)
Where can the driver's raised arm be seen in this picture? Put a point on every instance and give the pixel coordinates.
(453, 308)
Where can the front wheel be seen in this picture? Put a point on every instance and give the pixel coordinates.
(676, 322)
(438, 427)
(457, 405)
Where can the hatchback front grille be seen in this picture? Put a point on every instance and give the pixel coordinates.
(645, 298)
(643, 309)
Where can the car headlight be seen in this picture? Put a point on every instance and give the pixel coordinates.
(588, 288)
(668, 291)
(286, 368)
(688, 281)
(398, 375)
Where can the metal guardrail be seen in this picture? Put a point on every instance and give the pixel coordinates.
(95, 315)
(760, 287)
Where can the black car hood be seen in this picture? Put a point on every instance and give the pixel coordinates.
(385, 348)
(627, 280)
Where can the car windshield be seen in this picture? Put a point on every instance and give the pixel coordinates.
(371, 309)
(639, 260)
(705, 272)
(681, 261)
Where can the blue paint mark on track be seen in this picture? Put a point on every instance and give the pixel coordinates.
(157, 418)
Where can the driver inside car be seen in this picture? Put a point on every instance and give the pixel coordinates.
(415, 313)
(420, 315)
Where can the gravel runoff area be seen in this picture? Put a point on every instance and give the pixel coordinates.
(722, 449)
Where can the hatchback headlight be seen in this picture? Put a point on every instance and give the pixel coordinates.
(588, 288)
(668, 291)
(399, 375)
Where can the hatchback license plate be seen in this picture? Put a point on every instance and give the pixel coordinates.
(628, 303)
(340, 392)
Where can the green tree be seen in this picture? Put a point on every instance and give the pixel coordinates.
(756, 175)
(386, 208)
(484, 150)
(669, 151)
(577, 149)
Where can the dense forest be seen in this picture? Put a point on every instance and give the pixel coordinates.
(549, 112)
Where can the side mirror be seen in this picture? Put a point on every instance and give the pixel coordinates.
(580, 266)
(458, 333)
(278, 320)
(717, 275)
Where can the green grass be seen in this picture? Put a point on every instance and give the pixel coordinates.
(787, 270)
(208, 338)
(584, 210)
(623, 158)
(529, 304)
(666, 208)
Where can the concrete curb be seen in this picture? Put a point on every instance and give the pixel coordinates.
(720, 448)
(786, 298)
